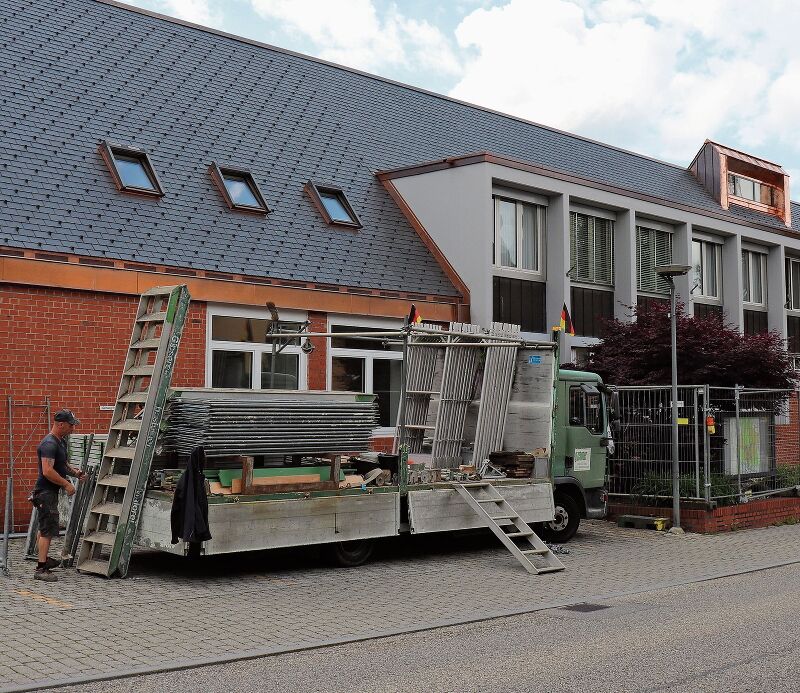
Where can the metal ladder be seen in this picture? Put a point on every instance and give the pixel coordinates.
(122, 477)
(534, 555)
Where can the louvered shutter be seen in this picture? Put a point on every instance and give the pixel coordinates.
(653, 248)
(603, 260)
(591, 249)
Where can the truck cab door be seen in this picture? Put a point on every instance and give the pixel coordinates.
(584, 450)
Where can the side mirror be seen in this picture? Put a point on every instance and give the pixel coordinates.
(604, 442)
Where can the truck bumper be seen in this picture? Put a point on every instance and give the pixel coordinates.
(596, 504)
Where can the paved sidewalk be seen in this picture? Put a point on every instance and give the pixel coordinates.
(170, 613)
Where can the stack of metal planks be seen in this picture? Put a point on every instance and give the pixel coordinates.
(231, 422)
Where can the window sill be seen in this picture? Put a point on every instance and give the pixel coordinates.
(515, 273)
(590, 285)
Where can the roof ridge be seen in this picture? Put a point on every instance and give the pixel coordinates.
(387, 80)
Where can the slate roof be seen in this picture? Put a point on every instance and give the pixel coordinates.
(75, 72)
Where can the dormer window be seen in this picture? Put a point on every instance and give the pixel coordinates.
(743, 180)
(131, 169)
(749, 189)
(333, 204)
(239, 189)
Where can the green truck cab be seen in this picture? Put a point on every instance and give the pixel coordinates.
(583, 419)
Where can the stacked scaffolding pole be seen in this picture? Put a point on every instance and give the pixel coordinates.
(498, 377)
(458, 376)
(419, 389)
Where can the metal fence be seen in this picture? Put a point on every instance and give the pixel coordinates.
(733, 443)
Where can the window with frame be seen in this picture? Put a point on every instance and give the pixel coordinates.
(706, 261)
(750, 189)
(754, 272)
(239, 189)
(585, 409)
(518, 233)
(333, 204)
(243, 353)
(653, 248)
(792, 283)
(369, 365)
(591, 249)
(131, 169)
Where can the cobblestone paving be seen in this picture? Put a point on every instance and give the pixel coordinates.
(170, 612)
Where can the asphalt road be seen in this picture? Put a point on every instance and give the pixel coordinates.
(731, 635)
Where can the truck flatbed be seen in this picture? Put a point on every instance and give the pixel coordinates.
(279, 520)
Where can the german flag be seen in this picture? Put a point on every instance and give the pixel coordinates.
(566, 322)
(414, 318)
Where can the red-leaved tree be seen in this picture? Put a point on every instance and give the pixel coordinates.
(709, 353)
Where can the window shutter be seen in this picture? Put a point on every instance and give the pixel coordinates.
(591, 249)
(603, 260)
(663, 256)
(653, 248)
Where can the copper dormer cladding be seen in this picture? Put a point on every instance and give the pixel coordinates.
(736, 178)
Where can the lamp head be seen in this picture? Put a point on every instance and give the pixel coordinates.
(673, 270)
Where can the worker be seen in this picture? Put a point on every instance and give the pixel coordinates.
(53, 472)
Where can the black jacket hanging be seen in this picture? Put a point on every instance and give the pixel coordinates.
(189, 516)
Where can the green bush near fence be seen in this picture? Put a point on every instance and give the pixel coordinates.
(787, 475)
(654, 489)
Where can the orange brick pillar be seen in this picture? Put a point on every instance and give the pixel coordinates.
(318, 359)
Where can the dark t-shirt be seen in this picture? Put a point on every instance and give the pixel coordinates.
(53, 448)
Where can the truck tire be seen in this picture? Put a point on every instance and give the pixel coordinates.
(350, 554)
(567, 518)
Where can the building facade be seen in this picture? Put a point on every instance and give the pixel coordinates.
(140, 150)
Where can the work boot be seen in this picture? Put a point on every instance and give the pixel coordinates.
(52, 563)
(45, 575)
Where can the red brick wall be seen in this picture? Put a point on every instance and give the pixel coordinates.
(757, 513)
(787, 436)
(69, 346)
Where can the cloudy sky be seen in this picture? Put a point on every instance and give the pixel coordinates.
(654, 76)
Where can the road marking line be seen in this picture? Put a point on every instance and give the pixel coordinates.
(41, 598)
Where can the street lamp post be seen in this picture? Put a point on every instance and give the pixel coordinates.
(669, 272)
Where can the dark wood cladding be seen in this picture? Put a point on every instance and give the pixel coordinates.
(590, 310)
(755, 321)
(793, 332)
(644, 304)
(706, 311)
(519, 302)
(706, 168)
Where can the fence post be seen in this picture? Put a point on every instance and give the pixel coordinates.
(696, 445)
(738, 443)
(706, 442)
(9, 513)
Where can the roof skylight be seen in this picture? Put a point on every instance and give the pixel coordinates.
(239, 189)
(333, 205)
(131, 169)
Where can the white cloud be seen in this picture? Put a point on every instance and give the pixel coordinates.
(197, 11)
(651, 75)
(354, 34)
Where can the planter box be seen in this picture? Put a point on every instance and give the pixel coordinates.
(757, 513)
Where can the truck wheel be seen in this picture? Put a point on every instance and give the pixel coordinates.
(349, 554)
(565, 523)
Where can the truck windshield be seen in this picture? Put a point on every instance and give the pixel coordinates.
(585, 410)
